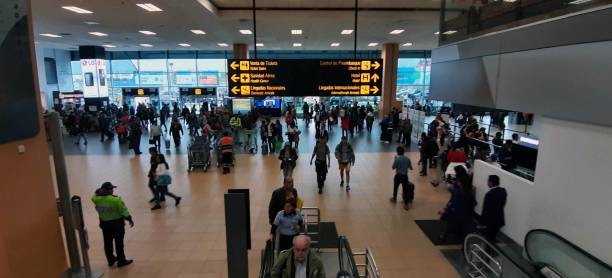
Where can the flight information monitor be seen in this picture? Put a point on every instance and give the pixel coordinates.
(297, 77)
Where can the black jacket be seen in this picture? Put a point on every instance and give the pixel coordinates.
(493, 207)
(277, 202)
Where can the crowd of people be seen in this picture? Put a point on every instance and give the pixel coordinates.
(436, 147)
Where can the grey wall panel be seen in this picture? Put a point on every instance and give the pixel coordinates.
(582, 28)
(463, 81)
(483, 46)
(445, 53)
(491, 68)
(569, 82)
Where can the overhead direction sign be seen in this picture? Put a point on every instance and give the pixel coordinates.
(291, 77)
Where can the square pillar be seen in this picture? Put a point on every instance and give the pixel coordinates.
(390, 56)
(241, 51)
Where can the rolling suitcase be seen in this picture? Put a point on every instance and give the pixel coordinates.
(167, 142)
(264, 149)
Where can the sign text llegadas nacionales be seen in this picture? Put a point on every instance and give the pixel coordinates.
(291, 77)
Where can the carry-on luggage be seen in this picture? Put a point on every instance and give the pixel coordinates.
(264, 149)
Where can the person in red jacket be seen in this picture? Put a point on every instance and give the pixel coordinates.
(345, 126)
(456, 155)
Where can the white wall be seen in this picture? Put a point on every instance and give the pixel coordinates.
(64, 73)
(572, 191)
(573, 185)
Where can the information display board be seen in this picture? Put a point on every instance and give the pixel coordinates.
(296, 77)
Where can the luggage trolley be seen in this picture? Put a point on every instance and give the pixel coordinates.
(199, 153)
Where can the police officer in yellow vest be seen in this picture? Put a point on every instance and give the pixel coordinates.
(113, 214)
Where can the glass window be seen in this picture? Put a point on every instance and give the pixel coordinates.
(153, 72)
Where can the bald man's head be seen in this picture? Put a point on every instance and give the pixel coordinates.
(301, 247)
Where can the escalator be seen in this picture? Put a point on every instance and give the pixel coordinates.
(546, 255)
(339, 260)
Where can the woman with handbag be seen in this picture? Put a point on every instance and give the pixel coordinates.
(288, 157)
(161, 179)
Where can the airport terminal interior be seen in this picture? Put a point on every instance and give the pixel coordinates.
(305, 138)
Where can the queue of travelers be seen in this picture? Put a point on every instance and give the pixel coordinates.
(285, 220)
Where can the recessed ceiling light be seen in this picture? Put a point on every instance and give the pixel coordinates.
(99, 34)
(149, 7)
(373, 44)
(449, 32)
(77, 10)
(296, 32)
(259, 44)
(246, 32)
(198, 32)
(51, 35)
(396, 32)
(148, 33)
(297, 44)
(577, 2)
(407, 44)
(222, 44)
(437, 33)
(146, 45)
(184, 44)
(91, 22)
(334, 44)
(346, 32)
(109, 45)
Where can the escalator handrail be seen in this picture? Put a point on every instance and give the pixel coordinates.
(562, 239)
(267, 260)
(529, 273)
(345, 247)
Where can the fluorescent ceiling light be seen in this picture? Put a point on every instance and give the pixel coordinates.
(396, 32)
(91, 22)
(334, 44)
(51, 35)
(297, 44)
(146, 45)
(198, 32)
(99, 34)
(184, 44)
(222, 44)
(246, 32)
(346, 32)
(577, 2)
(407, 44)
(296, 32)
(148, 33)
(259, 44)
(373, 44)
(77, 10)
(449, 32)
(437, 33)
(109, 45)
(149, 7)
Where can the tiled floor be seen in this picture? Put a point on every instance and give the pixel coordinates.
(189, 241)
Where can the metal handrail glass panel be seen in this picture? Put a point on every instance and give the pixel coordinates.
(487, 260)
(553, 253)
(348, 267)
(267, 260)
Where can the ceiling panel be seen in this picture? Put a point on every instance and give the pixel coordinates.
(122, 21)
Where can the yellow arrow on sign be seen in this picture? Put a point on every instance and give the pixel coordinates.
(374, 90)
(234, 66)
(375, 65)
(235, 78)
(375, 77)
(235, 90)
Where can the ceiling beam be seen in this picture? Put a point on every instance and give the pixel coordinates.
(209, 6)
(315, 9)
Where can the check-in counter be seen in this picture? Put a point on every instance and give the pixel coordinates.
(518, 205)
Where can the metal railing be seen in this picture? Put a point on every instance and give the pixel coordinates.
(349, 266)
(487, 260)
(267, 260)
(312, 223)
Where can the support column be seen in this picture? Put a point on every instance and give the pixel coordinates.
(241, 51)
(390, 55)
